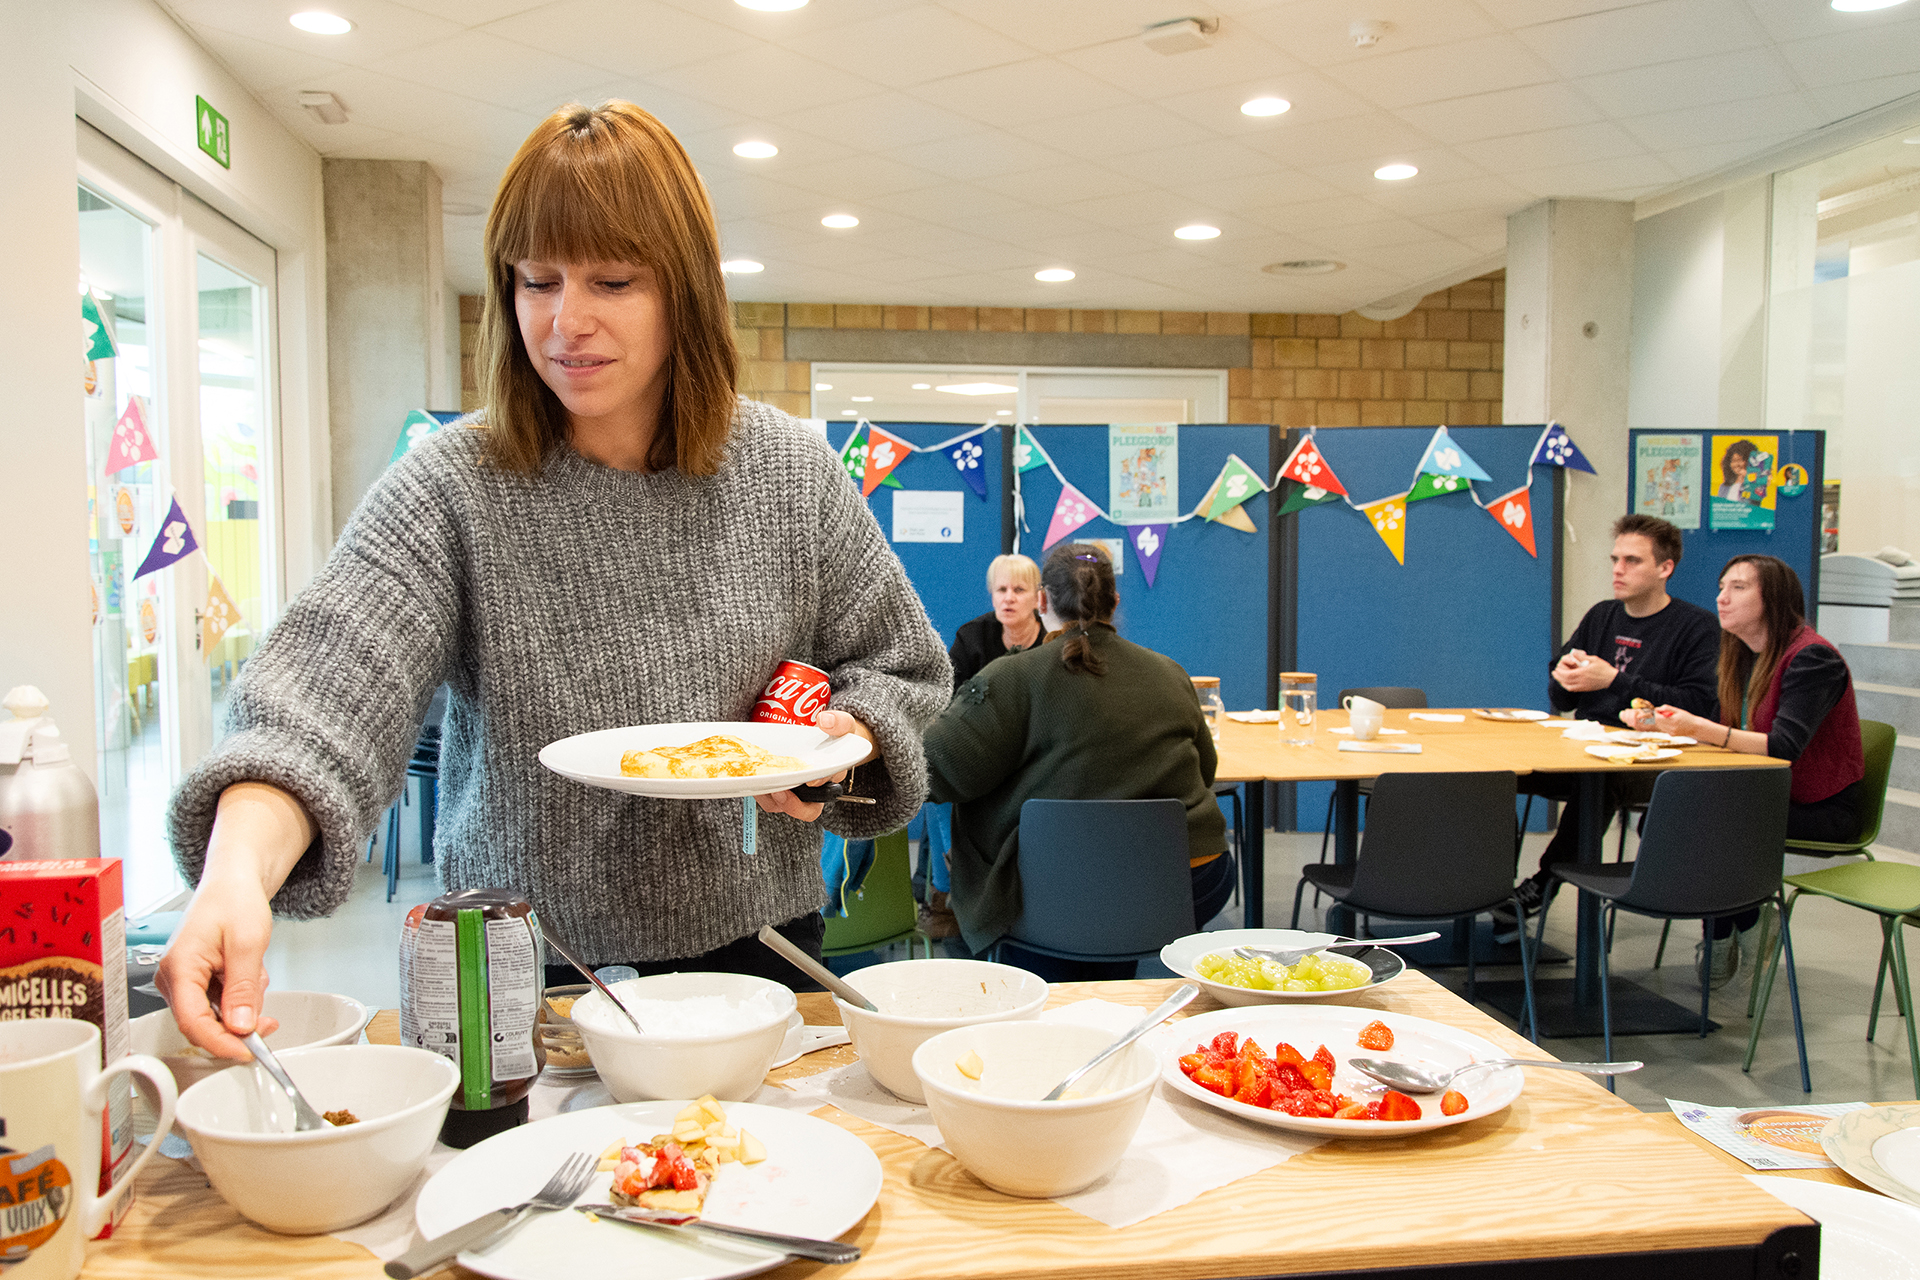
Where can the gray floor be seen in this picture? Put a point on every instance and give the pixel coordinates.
(355, 952)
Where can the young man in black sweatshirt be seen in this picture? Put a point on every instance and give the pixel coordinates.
(1643, 643)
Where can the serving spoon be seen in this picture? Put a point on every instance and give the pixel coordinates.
(1411, 1079)
(1168, 1007)
(1293, 955)
(814, 969)
(594, 978)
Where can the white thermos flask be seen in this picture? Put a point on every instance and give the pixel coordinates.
(48, 808)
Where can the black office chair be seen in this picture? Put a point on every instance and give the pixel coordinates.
(1713, 846)
(1394, 698)
(1438, 846)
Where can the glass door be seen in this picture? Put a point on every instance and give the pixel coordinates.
(181, 487)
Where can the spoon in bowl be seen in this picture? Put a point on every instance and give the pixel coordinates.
(305, 1118)
(1293, 955)
(594, 978)
(1168, 1007)
(814, 969)
(1408, 1078)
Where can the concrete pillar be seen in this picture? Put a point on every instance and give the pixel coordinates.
(390, 346)
(1569, 303)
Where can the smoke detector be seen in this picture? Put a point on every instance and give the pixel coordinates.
(1182, 35)
(1366, 32)
(323, 107)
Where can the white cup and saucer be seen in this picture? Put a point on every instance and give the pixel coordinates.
(1364, 716)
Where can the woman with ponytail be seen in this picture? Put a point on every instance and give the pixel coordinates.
(1086, 715)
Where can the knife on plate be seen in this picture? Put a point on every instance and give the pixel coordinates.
(684, 1223)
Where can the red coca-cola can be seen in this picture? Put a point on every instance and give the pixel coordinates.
(796, 694)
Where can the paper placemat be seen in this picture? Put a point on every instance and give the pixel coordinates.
(1255, 717)
(1436, 716)
(1766, 1137)
(1383, 748)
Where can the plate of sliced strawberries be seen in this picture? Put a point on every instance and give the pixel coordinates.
(1288, 1067)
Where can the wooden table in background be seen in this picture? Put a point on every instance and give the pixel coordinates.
(1565, 1174)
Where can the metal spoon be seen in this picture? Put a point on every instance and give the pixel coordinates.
(815, 970)
(1170, 1006)
(594, 978)
(1293, 955)
(1411, 1079)
(305, 1118)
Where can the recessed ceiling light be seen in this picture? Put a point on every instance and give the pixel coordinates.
(923, 386)
(978, 389)
(1864, 6)
(1265, 107)
(1394, 172)
(839, 221)
(823, 386)
(1052, 275)
(849, 413)
(1304, 267)
(861, 399)
(1197, 232)
(771, 6)
(755, 150)
(1003, 413)
(741, 267)
(318, 23)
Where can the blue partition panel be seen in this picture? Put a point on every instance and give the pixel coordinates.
(1468, 618)
(1795, 536)
(1207, 609)
(950, 577)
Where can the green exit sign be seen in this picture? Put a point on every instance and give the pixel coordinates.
(210, 127)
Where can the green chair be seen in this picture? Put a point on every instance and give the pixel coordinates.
(1891, 890)
(883, 912)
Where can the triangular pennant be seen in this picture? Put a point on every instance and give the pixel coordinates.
(1073, 510)
(1027, 453)
(1236, 483)
(96, 339)
(1556, 448)
(217, 616)
(1237, 518)
(1389, 519)
(132, 441)
(1306, 465)
(853, 454)
(1514, 511)
(413, 433)
(1445, 458)
(175, 541)
(1148, 541)
(885, 451)
(1430, 485)
(1298, 497)
(968, 457)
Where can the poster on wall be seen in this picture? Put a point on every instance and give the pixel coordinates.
(1666, 471)
(1144, 463)
(929, 515)
(1743, 482)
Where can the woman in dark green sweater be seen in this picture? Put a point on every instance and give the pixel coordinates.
(1084, 716)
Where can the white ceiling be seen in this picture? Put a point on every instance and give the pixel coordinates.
(981, 140)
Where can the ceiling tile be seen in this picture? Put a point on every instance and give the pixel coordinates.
(1641, 34)
(262, 66)
(765, 81)
(1798, 19)
(1494, 115)
(1689, 82)
(881, 122)
(387, 102)
(1041, 89)
(1692, 162)
(1842, 100)
(983, 154)
(1574, 144)
(484, 128)
(1310, 217)
(907, 271)
(746, 196)
(1248, 193)
(1870, 52)
(1525, 13)
(1780, 114)
(1351, 240)
(677, 111)
(334, 141)
(381, 28)
(633, 37)
(944, 44)
(940, 202)
(486, 68)
(1429, 75)
(1436, 165)
(1317, 31)
(1174, 167)
(1023, 226)
(1236, 54)
(1426, 201)
(1136, 126)
(858, 176)
(1313, 97)
(1623, 173)
(1061, 185)
(1332, 141)
(712, 149)
(474, 13)
(793, 24)
(1143, 208)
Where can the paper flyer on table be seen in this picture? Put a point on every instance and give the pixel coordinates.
(1766, 1137)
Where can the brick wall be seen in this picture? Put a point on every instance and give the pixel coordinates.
(1438, 365)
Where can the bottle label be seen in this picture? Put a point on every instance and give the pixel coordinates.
(430, 988)
(514, 980)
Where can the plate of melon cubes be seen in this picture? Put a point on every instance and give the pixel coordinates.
(1209, 959)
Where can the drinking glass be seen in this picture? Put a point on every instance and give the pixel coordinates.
(1298, 690)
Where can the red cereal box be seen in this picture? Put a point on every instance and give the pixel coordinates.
(796, 694)
(63, 954)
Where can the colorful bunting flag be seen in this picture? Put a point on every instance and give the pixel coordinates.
(1235, 484)
(217, 616)
(967, 457)
(1445, 458)
(175, 541)
(1298, 497)
(419, 425)
(1514, 511)
(132, 441)
(1307, 466)
(1389, 519)
(1027, 453)
(96, 340)
(853, 457)
(1430, 485)
(1073, 510)
(1236, 517)
(885, 451)
(1148, 541)
(1556, 448)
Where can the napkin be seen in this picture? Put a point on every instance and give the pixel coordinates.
(1254, 717)
(1438, 717)
(1345, 729)
(1183, 1147)
(1583, 731)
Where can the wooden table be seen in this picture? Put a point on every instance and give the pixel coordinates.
(1566, 1173)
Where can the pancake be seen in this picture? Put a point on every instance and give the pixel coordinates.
(719, 756)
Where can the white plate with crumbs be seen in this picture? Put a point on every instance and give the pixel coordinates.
(594, 758)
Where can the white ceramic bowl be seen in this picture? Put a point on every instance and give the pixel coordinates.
(308, 1020)
(998, 1127)
(919, 999)
(729, 1064)
(307, 1183)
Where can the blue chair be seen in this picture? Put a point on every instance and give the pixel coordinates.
(1102, 879)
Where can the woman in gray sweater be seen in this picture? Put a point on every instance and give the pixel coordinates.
(621, 541)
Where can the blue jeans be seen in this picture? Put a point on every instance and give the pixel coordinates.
(933, 826)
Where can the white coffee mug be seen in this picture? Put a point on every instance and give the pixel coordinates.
(52, 1094)
(1366, 724)
(1354, 704)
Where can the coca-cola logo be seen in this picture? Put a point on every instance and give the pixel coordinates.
(797, 696)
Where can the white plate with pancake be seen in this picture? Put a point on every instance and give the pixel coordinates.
(1632, 754)
(1650, 738)
(595, 758)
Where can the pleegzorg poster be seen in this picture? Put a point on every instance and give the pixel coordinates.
(1666, 472)
(1743, 482)
(1144, 462)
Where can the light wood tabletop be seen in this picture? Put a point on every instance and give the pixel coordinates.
(1566, 1171)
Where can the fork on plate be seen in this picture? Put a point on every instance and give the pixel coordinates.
(489, 1229)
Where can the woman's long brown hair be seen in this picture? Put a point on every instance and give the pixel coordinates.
(608, 184)
(1078, 580)
(1744, 674)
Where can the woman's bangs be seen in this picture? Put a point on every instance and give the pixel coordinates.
(561, 211)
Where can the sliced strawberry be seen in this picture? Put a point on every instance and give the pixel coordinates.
(1258, 1093)
(1317, 1074)
(1227, 1042)
(1354, 1111)
(1250, 1051)
(1288, 1078)
(1398, 1106)
(1284, 1052)
(1218, 1079)
(1324, 1057)
(1376, 1035)
(1373, 1111)
(1452, 1103)
(685, 1176)
(1323, 1104)
(1192, 1062)
(1297, 1103)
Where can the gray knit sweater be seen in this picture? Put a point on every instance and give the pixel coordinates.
(584, 598)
